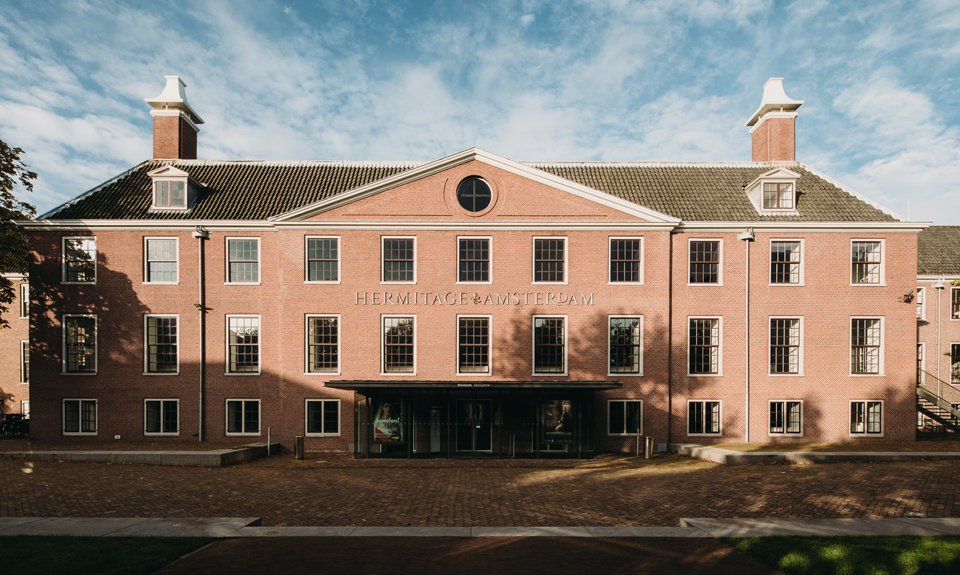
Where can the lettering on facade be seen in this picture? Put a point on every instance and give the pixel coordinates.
(452, 298)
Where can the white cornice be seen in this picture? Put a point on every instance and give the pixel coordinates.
(763, 226)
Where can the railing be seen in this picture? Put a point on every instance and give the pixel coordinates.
(942, 395)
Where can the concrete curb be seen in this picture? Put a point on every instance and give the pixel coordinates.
(733, 457)
(212, 458)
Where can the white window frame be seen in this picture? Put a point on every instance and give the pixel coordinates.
(146, 261)
(790, 181)
(882, 280)
(25, 365)
(800, 350)
(25, 408)
(719, 418)
(953, 317)
(383, 336)
(566, 345)
(306, 345)
(921, 296)
(306, 260)
(146, 348)
(921, 362)
(719, 346)
(865, 433)
(625, 316)
(24, 300)
(383, 269)
(226, 363)
(306, 416)
(785, 433)
(226, 260)
(643, 260)
(63, 342)
(883, 344)
(489, 261)
(63, 259)
(950, 360)
(161, 400)
(719, 281)
(533, 260)
(226, 418)
(186, 193)
(63, 416)
(624, 401)
(803, 257)
(489, 319)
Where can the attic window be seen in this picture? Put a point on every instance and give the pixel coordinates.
(474, 194)
(170, 194)
(778, 196)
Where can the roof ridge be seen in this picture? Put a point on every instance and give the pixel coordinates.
(660, 164)
(292, 163)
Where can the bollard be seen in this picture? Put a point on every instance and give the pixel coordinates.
(298, 447)
(647, 447)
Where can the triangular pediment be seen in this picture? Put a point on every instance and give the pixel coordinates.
(167, 172)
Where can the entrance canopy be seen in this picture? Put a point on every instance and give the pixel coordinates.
(371, 385)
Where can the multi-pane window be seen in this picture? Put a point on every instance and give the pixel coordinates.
(160, 260)
(626, 345)
(921, 303)
(955, 303)
(473, 260)
(243, 416)
(786, 417)
(79, 416)
(161, 344)
(24, 300)
(785, 262)
(80, 260)
(626, 260)
(79, 344)
(549, 345)
(24, 361)
(866, 417)
(398, 344)
(867, 262)
(169, 194)
(704, 257)
(323, 260)
(778, 196)
(474, 194)
(323, 417)
(243, 260)
(473, 345)
(785, 345)
(161, 416)
(703, 417)
(955, 363)
(549, 260)
(624, 417)
(704, 345)
(866, 337)
(243, 344)
(399, 260)
(921, 361)
(323, 344)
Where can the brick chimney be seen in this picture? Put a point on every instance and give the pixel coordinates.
(174, 123)
(773, 125)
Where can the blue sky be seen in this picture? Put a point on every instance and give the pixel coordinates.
(529, 80)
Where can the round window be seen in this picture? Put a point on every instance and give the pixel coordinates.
(474, 194)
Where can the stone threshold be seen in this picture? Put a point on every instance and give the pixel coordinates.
(733, 457)
(212, 458)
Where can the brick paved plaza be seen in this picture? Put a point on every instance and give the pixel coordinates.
(335, 490)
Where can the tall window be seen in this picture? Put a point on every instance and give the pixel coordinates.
(866, 417)
(24, 361)
(398, 344)
(243, 417)
(626, 345)
(24, 300)
(624, 417)
(549, 260)
(866, 338)
(549, 345)
(921, 303)
(169, 194)
(161, 344)
(79, 416)
(703, 417)
(955, 303)
(473, 260)
(161, 417)
(323, 417)
(160, 260)
(785, 345)
(323, 260)
(921, 361)
(867, 261)
(785, 262)
(80, 260)
(323, 344)
(785, 417)
(243, 344)
(777, 196)
(704, 257)
(473, 345)
(399, 260)
(243, 260)
(80, 344)
(955, 363)
(704, 345)
(626, 260)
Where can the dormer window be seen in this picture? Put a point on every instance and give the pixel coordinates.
(778, 196)
(170, 194)
(774, 193)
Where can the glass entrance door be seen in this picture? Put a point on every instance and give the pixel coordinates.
(474, 429)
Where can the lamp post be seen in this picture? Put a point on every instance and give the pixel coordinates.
(939, 287)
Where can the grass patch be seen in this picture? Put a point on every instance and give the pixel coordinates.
(855, 555)
(26, 555)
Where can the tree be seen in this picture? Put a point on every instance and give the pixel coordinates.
(13, 242)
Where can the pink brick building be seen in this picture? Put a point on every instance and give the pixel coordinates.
(473, 304)
(14, 351)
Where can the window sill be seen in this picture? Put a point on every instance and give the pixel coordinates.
(242, 374)
(78, 433)
(552, 374)
(321, 282)
(801, 284)
(156, 373)
(322, 434)
(66, 283)
(625, 374)
(244, 434)
(398, 374)
(241, 283)
(636, 283)
(321, 373)
(78, 373)
(160, 434)
(705, 375)
(176, 283)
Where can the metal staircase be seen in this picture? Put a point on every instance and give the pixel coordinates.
(939, 402)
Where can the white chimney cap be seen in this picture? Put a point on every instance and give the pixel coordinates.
(774, 99)
(174, 97)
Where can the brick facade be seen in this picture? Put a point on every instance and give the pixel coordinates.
(14, 390)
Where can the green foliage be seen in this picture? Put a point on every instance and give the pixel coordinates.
(26, 555)
(13, 243)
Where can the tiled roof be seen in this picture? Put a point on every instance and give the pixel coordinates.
(239, 190)
(938, 251)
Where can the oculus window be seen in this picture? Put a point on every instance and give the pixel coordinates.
(474, 194)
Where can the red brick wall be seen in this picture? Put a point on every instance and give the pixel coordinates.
(173, 138)
(12, 391)
(774, 139)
